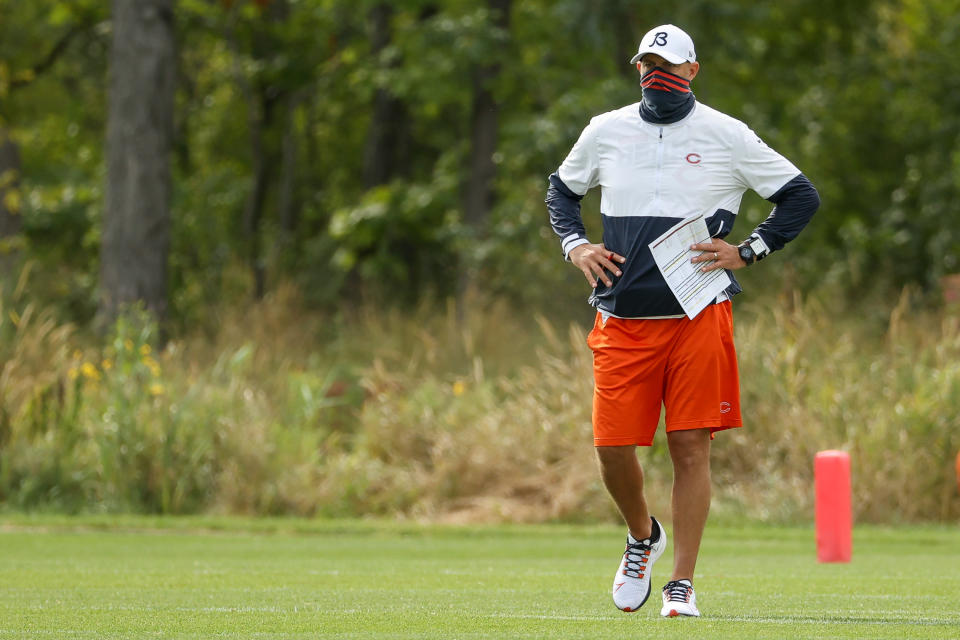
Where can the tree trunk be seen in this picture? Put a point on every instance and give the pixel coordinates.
(288, 206)
(484, 132)
(383, 152)
(261, 117)
(624, 41)
(481, 169)
(10, 220)
(263, 99)
(136, 224)
(9, 186)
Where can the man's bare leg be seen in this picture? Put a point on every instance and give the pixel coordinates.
(690, 452)
(623, 477)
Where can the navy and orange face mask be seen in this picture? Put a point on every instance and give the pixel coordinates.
(666, 96)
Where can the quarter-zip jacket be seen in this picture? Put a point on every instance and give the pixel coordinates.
(653, 175)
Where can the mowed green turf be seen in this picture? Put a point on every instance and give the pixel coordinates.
(280, 579)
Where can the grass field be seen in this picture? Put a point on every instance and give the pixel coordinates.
(198, 578)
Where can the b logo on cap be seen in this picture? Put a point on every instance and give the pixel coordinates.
(659, 39)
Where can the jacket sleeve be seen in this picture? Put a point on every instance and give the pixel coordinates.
(580, 172)
(564, 208)
(796, 202)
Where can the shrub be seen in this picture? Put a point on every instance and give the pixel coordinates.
(443, 413)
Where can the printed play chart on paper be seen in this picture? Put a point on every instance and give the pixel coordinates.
(693, 288)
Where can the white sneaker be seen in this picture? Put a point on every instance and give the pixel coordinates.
(679, 600)
(631, 585)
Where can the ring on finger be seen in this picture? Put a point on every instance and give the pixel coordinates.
(716, 255)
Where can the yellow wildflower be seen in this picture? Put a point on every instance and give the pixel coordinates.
(152, 364)
(89, 371)
(107, 364)
(128, 344)
(156, 389)
(459, 388)
(144, 349)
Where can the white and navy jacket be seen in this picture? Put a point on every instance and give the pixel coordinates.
(653, 175)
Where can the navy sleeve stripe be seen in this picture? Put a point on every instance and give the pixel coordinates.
(796, 202)
(720, 223)
(564, 207)
(570, 239)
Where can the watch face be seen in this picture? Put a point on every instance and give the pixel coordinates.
(746, 254)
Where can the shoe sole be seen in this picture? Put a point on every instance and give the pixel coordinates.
(649, 586)
(637, 608)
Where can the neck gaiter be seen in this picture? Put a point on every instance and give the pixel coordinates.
(666, 97)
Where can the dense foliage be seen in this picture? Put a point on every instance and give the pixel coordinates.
(860, 95)
(331, 183)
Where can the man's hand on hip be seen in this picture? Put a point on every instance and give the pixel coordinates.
(717, 254)
(595, 261)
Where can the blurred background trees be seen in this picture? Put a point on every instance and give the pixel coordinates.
(388, 151)
(301, 189)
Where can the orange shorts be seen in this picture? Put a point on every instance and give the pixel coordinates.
(689, 366)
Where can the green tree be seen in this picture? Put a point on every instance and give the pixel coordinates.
(51, 85)
(373, 150)
(136, 224)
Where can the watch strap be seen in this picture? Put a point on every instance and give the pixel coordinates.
(760, 248)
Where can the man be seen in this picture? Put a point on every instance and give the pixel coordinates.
(659, 161)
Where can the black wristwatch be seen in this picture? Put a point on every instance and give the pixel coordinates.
(753, 249)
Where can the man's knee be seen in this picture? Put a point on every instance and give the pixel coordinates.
(616, 456)
(690, 449)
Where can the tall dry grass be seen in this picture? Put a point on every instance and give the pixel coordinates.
(812, 380)
(441, 415)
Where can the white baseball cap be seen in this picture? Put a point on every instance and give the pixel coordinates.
(669, 42)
